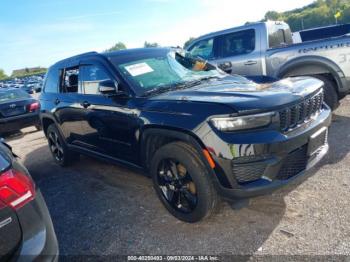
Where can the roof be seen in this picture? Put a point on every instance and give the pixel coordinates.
(125, 52)
(233, 29)
(228, 30)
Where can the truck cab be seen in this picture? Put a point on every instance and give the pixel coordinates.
(240, 50)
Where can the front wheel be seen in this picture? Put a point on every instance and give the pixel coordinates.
(59, 150)
(183, 183)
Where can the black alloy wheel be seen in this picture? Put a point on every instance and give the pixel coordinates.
(55, 146)
(177, 186)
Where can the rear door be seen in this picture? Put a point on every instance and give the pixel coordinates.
(68, 112)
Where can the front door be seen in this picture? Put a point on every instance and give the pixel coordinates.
(109, 123)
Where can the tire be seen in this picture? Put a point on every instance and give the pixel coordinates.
(330, 93)
(197, 198)
(58, 148)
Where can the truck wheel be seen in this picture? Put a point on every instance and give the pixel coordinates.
(59, 150)
(330, 93)
(182, 182)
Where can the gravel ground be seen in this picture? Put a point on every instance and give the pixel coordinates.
(98, 208)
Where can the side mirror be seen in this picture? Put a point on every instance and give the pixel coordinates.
(107, 87)
(226, 67)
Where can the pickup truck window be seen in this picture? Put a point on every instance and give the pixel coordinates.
(237, 43)
(89, 78)
(279, 36)
(203, 49)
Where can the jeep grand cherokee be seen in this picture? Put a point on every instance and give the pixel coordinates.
(200, 133)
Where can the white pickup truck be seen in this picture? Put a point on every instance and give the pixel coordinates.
(267, 49)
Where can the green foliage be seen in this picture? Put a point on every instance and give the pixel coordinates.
(27, 72)
(319, 13)
(116, 47)
(149, 44)
(188, 42)
(2, 74)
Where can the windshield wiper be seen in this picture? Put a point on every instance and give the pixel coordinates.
(171, 87)
(209, 78)
(158, 90)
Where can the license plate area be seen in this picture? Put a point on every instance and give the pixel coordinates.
(13, 111)
(317, 140)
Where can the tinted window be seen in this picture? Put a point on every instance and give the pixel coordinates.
(12, 95)
(238, 43)
(89, 78)
(203, 49)
(51, 81)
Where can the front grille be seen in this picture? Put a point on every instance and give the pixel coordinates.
(295, 115)
(294, 163)
(248, 172)
(248, 169)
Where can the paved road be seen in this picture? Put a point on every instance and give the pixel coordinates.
(98, 208)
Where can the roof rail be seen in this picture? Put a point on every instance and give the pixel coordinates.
(83, 54)
(71, 58)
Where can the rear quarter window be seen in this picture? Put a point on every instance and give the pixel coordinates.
(279, 36)
(51, 81)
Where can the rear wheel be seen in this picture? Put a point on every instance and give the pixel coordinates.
(59, 150)
(330, 93)
(182, 182)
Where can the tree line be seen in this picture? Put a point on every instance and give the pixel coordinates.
(317, 14)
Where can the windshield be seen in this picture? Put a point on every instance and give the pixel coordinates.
(12, 95)
(166, 71)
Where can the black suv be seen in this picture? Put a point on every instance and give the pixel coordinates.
(200, 133)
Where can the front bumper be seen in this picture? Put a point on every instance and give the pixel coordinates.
(250, 164)
(15, 123)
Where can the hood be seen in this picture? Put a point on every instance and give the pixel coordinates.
(247, 95)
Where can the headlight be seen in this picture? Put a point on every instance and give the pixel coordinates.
(242, 122)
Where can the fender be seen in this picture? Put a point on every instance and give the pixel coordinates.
(182, 136)
(169, 133)
(45, 116)
(313, 65)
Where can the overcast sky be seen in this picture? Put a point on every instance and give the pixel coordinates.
(40, 32)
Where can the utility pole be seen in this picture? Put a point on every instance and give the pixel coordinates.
(302, 23)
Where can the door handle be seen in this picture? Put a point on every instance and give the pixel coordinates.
(251, 62)
(57, 101)
(85, 104)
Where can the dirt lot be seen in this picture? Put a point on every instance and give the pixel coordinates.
(98, 208)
